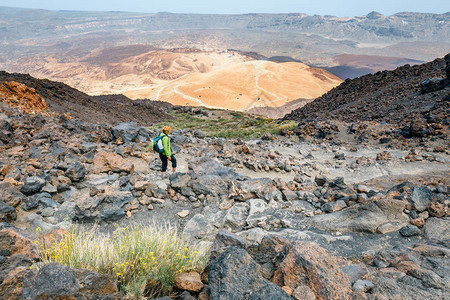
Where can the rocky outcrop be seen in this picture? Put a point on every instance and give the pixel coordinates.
(308, 264)
(20, 96)
(235, 275)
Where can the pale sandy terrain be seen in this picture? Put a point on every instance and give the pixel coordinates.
(243, 86)
(115, 70)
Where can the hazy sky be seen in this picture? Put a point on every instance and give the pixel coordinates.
(321, 7)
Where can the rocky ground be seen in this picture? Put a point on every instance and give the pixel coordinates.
(326, 216)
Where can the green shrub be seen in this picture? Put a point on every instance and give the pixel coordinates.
(238, 125)
(136, 257)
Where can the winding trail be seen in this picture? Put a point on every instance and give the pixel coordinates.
(260, 66)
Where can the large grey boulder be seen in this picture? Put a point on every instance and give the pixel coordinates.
(210, 184)
(32, 185)
(362, 218)
(438, 228)
(421, 198)
(128, 132)
(235, 275)
(76, 172)
(56, 281)
(200, 166)
(253, 188)
(235, 218)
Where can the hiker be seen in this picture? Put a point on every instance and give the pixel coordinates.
(166, 154)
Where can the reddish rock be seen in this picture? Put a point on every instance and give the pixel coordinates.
(107, 161)
(20, 96)
(308, 264)
(437, 209)
(17, 243)
(190, 281)
(419, 222)
(11, 287)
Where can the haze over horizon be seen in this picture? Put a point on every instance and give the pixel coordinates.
(349, 8)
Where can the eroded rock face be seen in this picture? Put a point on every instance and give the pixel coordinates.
(308, 264)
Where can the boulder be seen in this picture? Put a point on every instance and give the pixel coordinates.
(409, 230)
(7, 212)
(199, 166)
(199, 134)
(11, 278)
(9, 194)
(107, 161)
(18, 243)
(235, 275)
(421, 198)
(333, 206)
(32, 185)
(10, 264)
(56, 281)
(308, 264)
(210, 184)
(111, 215)
(190, 281)
(303, 292)
(438, 229)
(223, 240)
(128, 132)
(253, 188)
(362, 218)
(198, 227)
(259, 211)
(235, 218)
(76, 172)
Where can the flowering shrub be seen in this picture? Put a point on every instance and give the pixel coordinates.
(142, 260)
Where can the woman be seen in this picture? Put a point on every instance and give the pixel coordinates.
(167, 153)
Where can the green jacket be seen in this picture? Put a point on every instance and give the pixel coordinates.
(166, 144)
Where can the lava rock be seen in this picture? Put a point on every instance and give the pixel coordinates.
(409, 230)
(32, 185)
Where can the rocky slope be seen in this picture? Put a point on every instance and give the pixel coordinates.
(311, 220)
(395, 97)
(63, 99)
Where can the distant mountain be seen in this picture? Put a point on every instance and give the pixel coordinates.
(310, 39)
(390, 96)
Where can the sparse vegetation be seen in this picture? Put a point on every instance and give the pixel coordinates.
(231, 125)
(142, 260)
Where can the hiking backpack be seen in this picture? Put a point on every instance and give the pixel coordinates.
(157, 144)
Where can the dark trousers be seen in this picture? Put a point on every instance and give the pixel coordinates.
(164, 161)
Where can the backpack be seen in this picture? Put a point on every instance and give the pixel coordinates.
(157, 144)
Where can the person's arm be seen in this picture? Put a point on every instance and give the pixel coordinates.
(166, 145)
